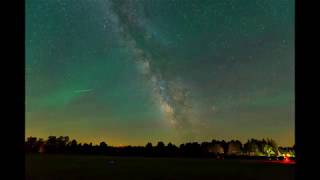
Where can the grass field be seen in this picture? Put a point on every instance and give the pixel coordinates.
(78, 167)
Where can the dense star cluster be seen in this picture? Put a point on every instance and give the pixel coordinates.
(136, 71)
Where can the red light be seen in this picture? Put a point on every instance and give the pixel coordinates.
(287, 160)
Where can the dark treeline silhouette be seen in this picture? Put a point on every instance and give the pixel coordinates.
(217, 149)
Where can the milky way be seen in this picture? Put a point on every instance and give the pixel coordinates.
(132, 71)
(171, 96)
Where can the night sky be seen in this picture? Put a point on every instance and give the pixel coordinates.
(138, 71)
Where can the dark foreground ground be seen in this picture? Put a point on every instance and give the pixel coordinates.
(78, 167)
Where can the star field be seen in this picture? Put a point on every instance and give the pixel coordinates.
(138, 71)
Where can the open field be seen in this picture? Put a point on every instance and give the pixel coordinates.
(78, 167)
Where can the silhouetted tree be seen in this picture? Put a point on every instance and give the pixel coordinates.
(234, 147)
(274, 145)
(224, 144)
(160, 144)
(171, 149)
(51, 144)
(251, 147)
(149, 145)
(86, 148)
(149, 149)
(103, 147)
(61, 143)
(268, 150)
(31, 144)
(191, 149)
(215, 148)
(160, 148)
(103, 144)
(73, 146)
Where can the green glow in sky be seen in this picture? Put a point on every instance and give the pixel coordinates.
(138, 71)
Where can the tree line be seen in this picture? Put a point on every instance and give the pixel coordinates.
(215, 148)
